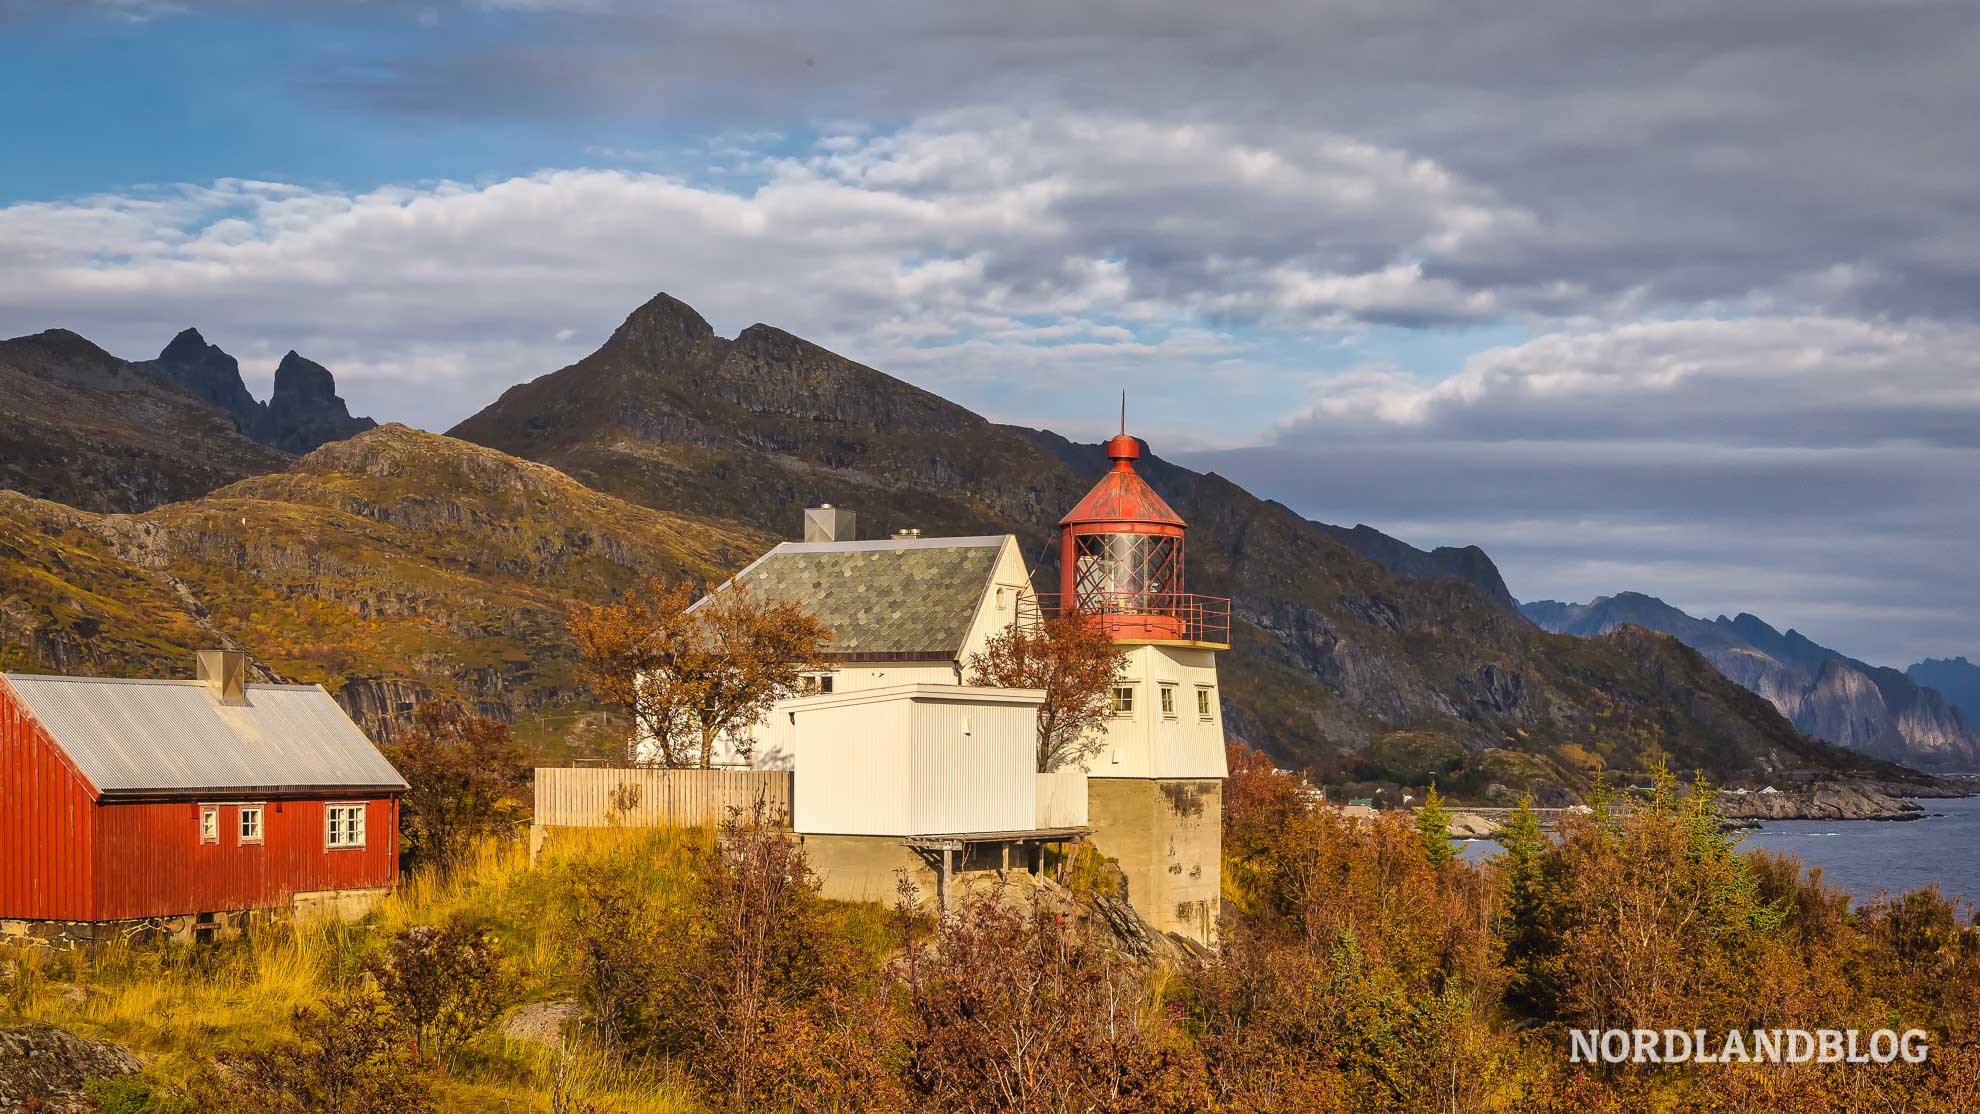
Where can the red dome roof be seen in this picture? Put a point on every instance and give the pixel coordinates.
(1122, 495)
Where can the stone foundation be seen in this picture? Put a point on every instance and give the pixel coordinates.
(343, 905)
(188, 928)
(1168, 836)
(868, 868)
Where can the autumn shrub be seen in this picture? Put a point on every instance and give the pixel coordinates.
(349, 1053)
(1358, 972)
(444, 982)
(468, 779)
(611, 939)
(1020, 1007)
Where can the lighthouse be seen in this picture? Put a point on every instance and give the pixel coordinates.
(1155, 788)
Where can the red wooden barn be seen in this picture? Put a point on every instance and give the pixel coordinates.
(185, 802)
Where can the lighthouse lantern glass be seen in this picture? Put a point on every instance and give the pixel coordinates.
(1126, 573)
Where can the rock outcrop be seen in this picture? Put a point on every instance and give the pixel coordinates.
(304, 412)
(43, 1068)
(1825, 802)
(210, 374)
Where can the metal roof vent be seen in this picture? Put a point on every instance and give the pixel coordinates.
(225, 674)
(827, 523)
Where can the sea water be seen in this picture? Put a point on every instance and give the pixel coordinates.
(1866, 857)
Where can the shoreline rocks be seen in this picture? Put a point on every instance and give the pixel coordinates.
(1749, 808)
(1817, 802)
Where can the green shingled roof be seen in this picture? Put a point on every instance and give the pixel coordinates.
(910, 599)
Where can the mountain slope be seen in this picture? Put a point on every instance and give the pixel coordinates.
(1825, 693)
(1335, 657)
(82, 427)
(1956, 678)
(303, 413)
(385, 567)
(1467, 563)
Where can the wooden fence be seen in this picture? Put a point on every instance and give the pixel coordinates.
(599, 797)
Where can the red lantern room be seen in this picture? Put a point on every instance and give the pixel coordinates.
(1121, 561)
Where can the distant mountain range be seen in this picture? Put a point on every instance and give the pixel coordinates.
(1895, 715)
(1956, 678)
(396, 563)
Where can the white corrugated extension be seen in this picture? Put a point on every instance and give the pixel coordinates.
(915, 760)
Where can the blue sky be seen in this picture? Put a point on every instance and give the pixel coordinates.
(1667, 299)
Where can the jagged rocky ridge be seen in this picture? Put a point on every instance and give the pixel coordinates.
(82, 427)
(1467, 563)
(302, 413)
(1336, 659)
(1825, 693)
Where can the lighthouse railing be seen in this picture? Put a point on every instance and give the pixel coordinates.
(1182, 616)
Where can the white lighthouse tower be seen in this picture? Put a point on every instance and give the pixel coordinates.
(1155, 790)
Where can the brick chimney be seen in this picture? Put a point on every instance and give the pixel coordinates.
(225, 674)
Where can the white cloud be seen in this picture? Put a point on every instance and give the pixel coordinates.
(981, 247)
(1817, 471)
(1803, 380)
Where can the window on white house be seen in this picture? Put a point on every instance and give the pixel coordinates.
(250, 823)
(344, 825)
(817, 683)
(1168, 700)
(1203, 702)
(1123, 700)
(209, 823)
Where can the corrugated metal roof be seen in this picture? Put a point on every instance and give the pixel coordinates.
(901, 598)
(151, 736)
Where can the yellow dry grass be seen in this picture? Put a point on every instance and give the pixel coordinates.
(173, 1004)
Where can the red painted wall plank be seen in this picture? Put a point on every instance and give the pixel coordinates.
(46, 825)
(152, 863)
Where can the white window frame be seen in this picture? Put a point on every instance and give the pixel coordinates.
(349, 836)
(1122, 707)
(209, 824)
(1166, 699)
(260, 812)
(1206, 702)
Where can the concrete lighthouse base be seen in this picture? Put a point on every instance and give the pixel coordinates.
(1168, 835)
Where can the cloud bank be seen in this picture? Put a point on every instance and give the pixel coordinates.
(1677, 298)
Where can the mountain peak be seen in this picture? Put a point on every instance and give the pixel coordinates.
(188, 345)
(300, 379)
(211, 375)
(305, 412)
(662, 330)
